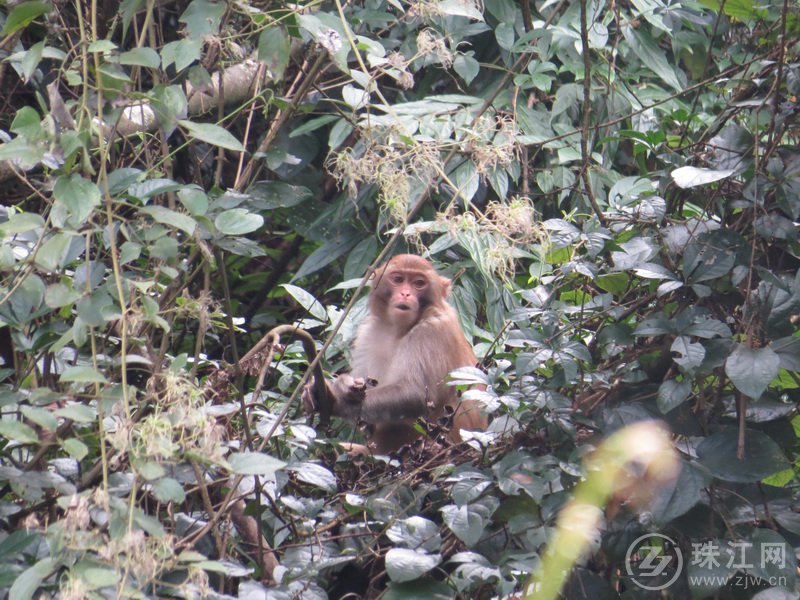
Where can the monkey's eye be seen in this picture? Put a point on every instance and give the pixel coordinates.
(396, 278)
(420, 283)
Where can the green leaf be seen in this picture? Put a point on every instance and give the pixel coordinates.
(212, 134)
(80, 413)
(314, 474)
(690, 354)
(752, 369)
(57, 295)
(26, 584)
(168, 490)
(39, 416)
(330, 251)
(762, 456)
(652, 10)
(461, 8)
(75, 448)
(657, 324)
(465, 178)
(314, 307)
(141, 57)
(416, 532)
(181, 53)
(16, 542)
(646, 50)
(95, 577)
(53, 252)
(276, 194)
(466, 67)
(689, 177)
(195, 200)
(273, 50)
(162, 214)
(79, 195)
(312, 125)
(254, 463)
(21, 222)
(129, 252)
(339, 133)
(469, 521)
(153, 187)
(744, 10)
(672, 393)
(614, 283)
(149, 470)
(22, 15)
(678, 498)
(421, 589)
(403, 564)
(18, 432)
(102, 46)
(202, 18)
(27, 124)
(82, 375)
(238, 221)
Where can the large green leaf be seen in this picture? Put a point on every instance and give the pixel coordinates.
(22, 14)
(762, 456)
(651, 54)
(752, 369)
(254, 463)
(26, 584)
(80, 196)
(238, 221)
(212, 134)
(403, 564)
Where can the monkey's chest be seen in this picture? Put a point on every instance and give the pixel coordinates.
(374, 361)
(376, 367)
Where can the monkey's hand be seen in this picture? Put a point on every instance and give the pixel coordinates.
(349, 394)
(310, 402)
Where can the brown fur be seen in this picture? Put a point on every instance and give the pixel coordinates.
(409, 343)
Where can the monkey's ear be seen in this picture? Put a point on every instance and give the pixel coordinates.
(446, 284)
(375, 276)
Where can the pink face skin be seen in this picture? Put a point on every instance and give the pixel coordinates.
(406, 293)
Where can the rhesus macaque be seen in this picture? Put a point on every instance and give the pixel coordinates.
(409, 343)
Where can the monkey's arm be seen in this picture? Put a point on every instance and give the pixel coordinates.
(401, 401)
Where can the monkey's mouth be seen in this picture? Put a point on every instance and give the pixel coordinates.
(403, 307)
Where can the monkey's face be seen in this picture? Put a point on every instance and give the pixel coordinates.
(404, 289)
(409, 294)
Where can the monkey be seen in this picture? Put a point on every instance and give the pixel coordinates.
(401, 357)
